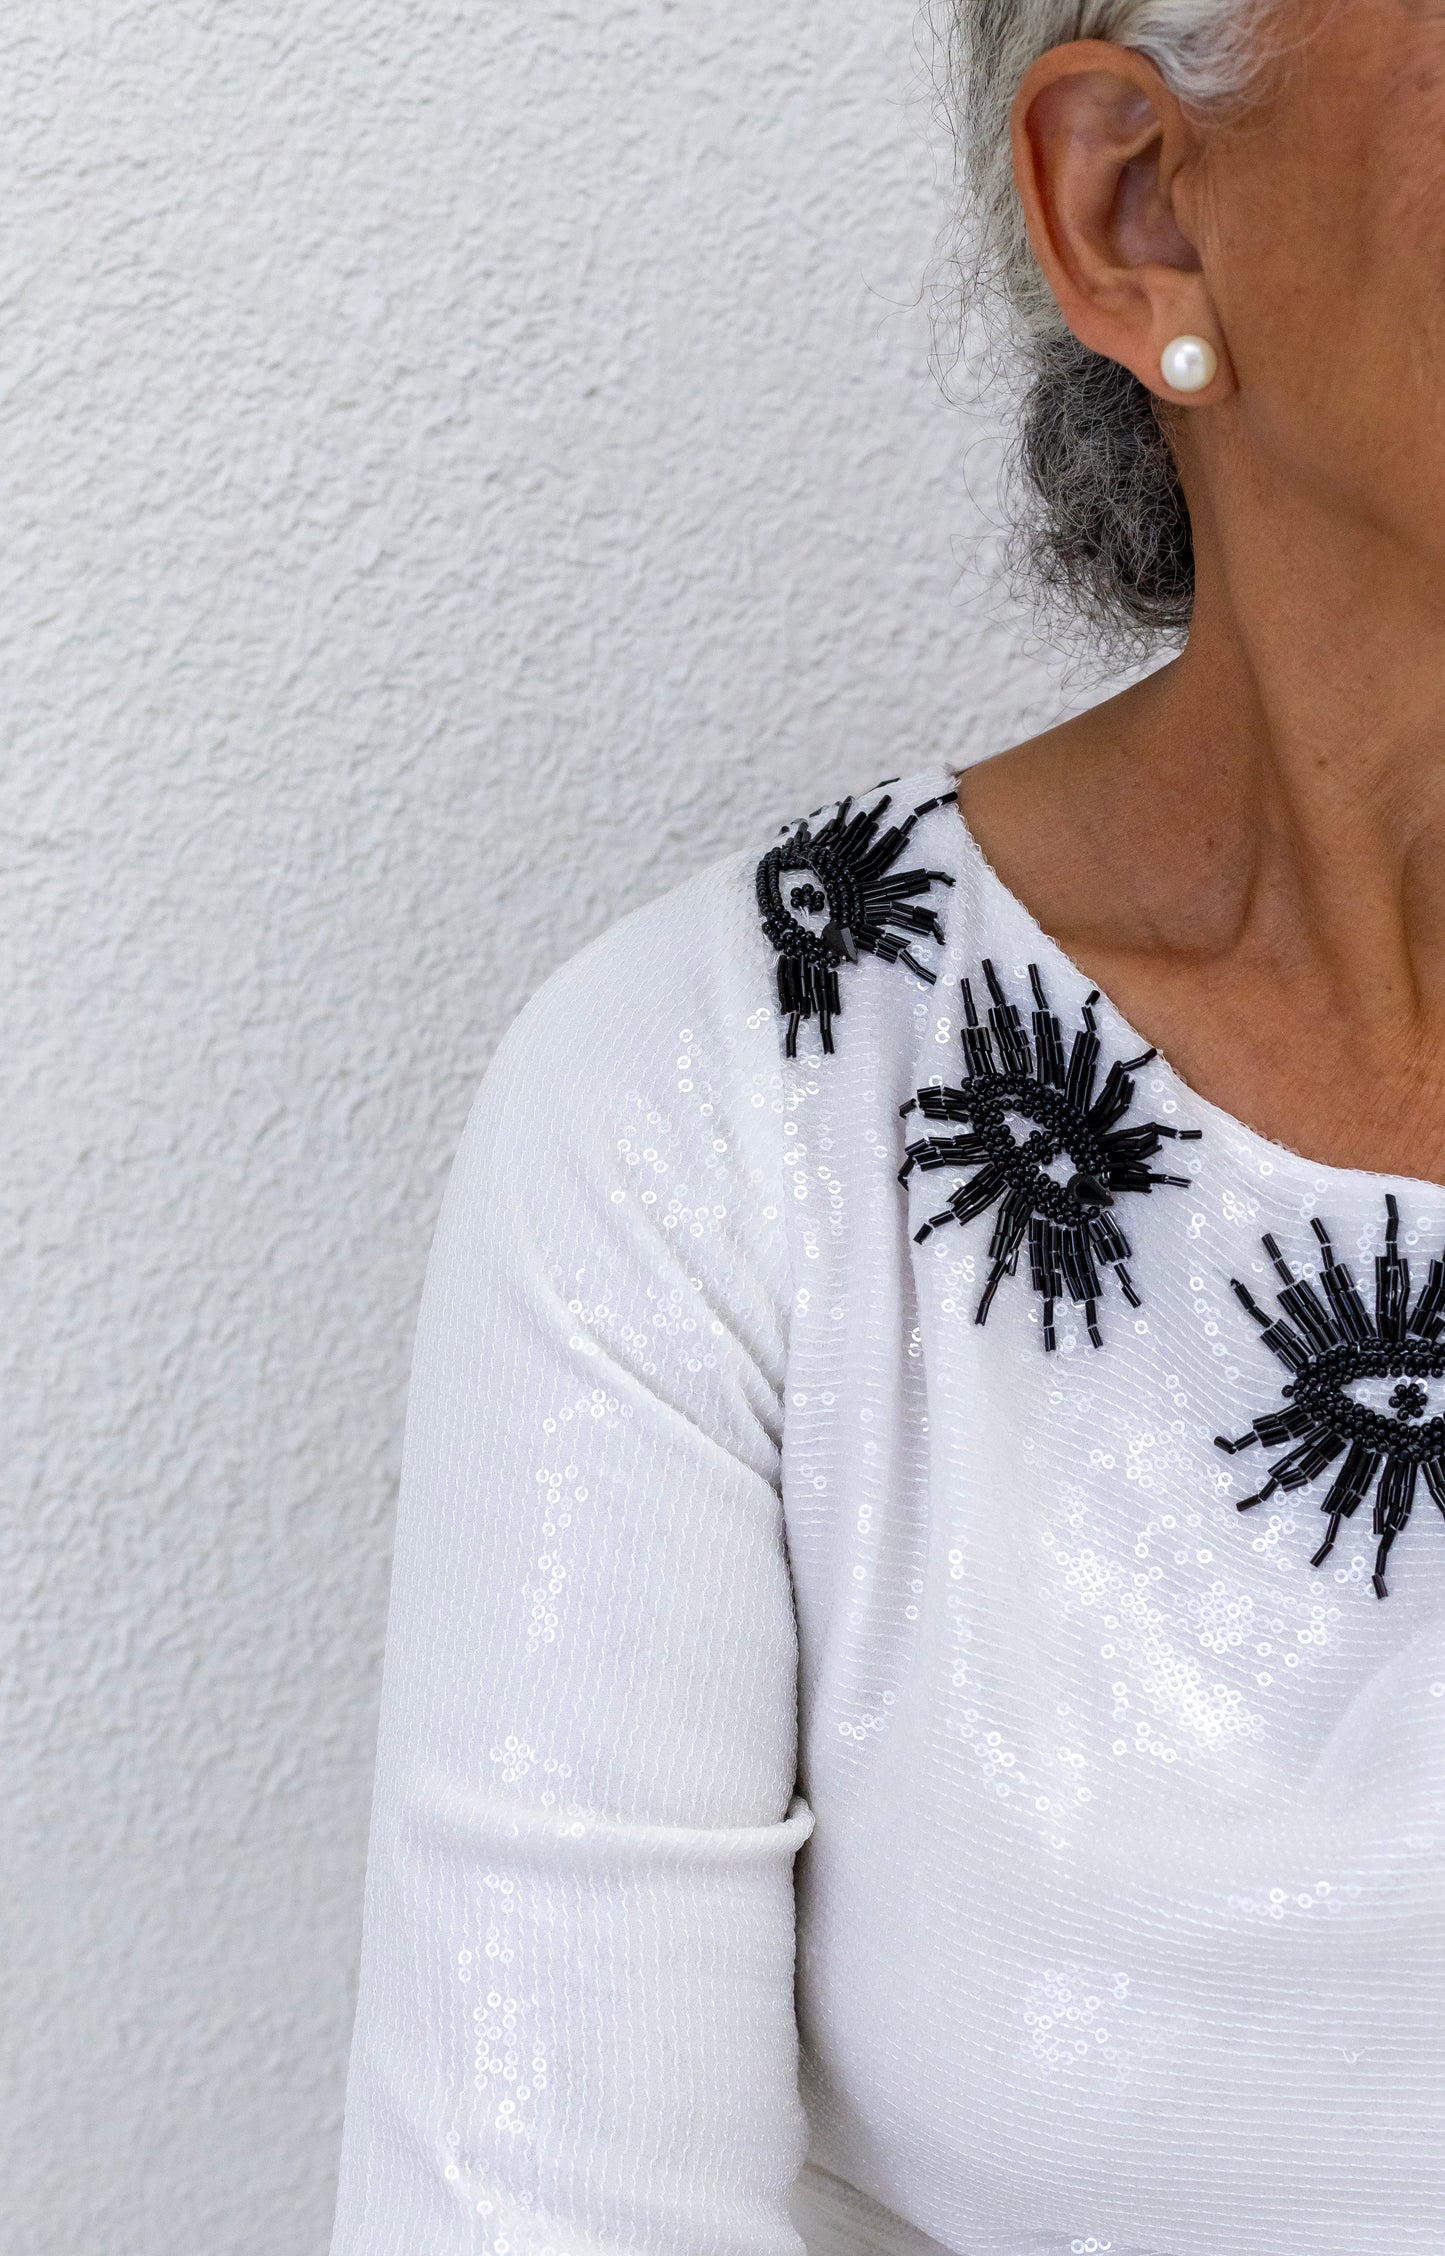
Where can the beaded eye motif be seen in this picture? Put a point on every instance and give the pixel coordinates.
(829, 895)
(1050, 1150)
(1332, 1343)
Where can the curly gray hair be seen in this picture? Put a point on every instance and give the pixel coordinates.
(1103, 531)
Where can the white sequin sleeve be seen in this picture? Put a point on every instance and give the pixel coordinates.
(576, 2025)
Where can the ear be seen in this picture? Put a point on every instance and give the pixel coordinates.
(1106, 161)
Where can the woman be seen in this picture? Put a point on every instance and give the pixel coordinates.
(915, 1709)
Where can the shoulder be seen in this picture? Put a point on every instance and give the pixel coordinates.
(643, 1109)
(621, 1166)
(686, 973)
(765, 940)
(730, 969)
(639, 1091)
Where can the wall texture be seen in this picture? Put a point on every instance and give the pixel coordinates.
(463, 467)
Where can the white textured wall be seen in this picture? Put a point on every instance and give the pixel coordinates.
(461, 467)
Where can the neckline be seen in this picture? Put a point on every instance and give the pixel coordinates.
(1204, 1113)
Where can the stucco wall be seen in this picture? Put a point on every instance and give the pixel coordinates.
(463, 467)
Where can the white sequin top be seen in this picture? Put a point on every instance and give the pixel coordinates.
(850, 1771)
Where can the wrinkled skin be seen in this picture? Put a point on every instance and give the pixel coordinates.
(1247, 850)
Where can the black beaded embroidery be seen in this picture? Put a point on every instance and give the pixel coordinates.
(1328, 1338)
(1071, 1234)
(829, 895)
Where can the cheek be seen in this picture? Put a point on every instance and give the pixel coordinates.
(1336, 321)
(1328, 218)
(1370, 342)
(1410, 244)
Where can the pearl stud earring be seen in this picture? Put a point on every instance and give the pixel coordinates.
(1187, 364)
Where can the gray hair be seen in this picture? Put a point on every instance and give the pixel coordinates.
(1102, 528)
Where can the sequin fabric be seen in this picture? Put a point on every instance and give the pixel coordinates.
(849, 1779)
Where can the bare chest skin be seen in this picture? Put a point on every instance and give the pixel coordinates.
(1276, 977)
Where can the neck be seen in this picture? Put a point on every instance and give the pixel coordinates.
(1246, 851)
(1305, 727)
